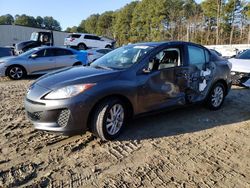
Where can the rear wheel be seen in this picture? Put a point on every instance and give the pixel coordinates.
(82, 46)
(16, 72)
(109, 119)
(77, 63)
(216, 97)
(108, 46)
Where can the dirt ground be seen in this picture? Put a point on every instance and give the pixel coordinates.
(190, 147)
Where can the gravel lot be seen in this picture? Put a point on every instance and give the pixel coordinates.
(190, 147)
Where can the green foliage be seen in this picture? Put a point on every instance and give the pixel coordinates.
(47, 22)
(6, 19)
(209, 22)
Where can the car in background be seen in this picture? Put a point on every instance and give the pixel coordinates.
(215, 51)
(41, 60)
(96, 53)
(6, 51)
(82, 41)
(131, 80)
(241, 68)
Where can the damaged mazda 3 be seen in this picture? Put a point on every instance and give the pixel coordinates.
(129, 81)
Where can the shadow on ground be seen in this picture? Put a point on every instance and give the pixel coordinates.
(190, 119)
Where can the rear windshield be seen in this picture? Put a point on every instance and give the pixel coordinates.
(74, 36)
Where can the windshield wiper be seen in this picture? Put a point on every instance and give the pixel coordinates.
(102, 67)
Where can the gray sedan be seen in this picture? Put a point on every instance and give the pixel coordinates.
(128, 81)
(40, 61)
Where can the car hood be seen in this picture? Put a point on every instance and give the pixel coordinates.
(240, 65)
(75, 75)
(21, 45)
(6, 59)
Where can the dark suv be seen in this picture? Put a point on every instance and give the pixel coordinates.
(128, 81)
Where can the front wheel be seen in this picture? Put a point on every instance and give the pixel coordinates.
(109, 119)
(216, 97)
(16, 72)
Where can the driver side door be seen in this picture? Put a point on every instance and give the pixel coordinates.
(159, 87)
(44, 62)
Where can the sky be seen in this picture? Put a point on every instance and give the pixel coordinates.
(68, 13)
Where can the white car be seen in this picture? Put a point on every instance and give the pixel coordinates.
(83, 41)
(241, 68)
(96, 53)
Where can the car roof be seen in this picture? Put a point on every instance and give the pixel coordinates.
(83, 34)
(52, 47)
(156, 44)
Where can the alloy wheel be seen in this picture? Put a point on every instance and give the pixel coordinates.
(16, 72)
(115, 119)
(217, 96)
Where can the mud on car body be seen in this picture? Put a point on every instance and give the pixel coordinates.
(129, 81)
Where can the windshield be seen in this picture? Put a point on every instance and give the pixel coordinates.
(34, 36)
(123, 57)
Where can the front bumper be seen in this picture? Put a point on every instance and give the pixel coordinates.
(65, 116)
(2, 69)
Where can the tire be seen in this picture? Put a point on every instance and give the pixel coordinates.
(104, 125)
(216, 96)
(77, 63)
(16, 72)
(108, 46)
(82, 46)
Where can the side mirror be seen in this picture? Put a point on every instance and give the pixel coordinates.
(33, 56)
(146, 70)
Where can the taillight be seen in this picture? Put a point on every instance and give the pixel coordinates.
(72, 39)
(90, 53)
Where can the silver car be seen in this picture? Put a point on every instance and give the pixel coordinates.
(96, 53)
(41, 61)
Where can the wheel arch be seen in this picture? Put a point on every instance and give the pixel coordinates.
(224, 83)
(123, 98)
(12, 65)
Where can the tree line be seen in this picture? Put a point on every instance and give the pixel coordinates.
(208, 22)
(47, 22)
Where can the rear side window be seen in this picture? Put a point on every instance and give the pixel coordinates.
(92, 37)
(103, 51)
(197, 56)
(62, 52)
(74, 36)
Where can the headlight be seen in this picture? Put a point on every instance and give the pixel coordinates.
(68, 91)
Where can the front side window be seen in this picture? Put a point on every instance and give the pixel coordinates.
(196, 56)
(45, 53)
(166, 58)
(123, 57)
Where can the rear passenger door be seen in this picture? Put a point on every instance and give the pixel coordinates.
(64, 58)
(197, 73)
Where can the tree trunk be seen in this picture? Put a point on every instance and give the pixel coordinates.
(218, 21)
(232, 25)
